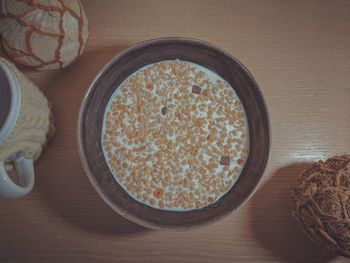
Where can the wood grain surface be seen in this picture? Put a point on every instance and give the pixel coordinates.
(299, 53)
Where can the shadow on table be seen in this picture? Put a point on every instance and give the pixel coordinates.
(272, 222)
(60, 177)
(76, 201)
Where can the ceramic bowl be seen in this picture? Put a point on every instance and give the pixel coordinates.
(114, 73)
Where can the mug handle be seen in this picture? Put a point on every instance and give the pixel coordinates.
(25, 172)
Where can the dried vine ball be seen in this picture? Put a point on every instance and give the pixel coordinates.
(320, 202)
(43, 34)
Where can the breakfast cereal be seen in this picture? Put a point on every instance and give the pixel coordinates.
(175, 136)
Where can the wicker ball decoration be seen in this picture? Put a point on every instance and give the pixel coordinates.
(320, 201)
(43, 34)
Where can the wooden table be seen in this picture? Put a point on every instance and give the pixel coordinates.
(299, 53)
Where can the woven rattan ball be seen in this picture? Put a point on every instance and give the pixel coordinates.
(320, 201)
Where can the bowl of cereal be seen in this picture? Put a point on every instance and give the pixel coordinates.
(174, 133)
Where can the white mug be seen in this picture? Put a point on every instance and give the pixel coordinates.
(26, 124)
